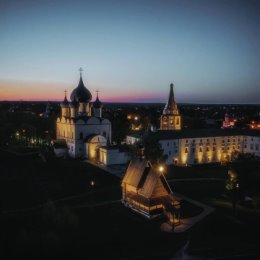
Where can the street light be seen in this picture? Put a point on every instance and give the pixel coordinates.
(161, 169)
(92, 184)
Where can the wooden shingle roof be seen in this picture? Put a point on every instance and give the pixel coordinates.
(134, 172)
(146, 179)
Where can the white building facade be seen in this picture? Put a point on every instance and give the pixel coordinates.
(188, 147)
(81, 124)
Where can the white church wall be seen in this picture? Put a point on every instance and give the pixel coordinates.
(112, 156)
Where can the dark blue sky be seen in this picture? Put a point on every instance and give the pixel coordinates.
(131, 50)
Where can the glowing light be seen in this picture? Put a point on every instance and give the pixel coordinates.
(161, 169)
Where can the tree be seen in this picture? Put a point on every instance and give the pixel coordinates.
(153, 150)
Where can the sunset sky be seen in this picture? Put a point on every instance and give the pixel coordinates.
(131, 50)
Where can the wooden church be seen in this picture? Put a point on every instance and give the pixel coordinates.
(145, 190)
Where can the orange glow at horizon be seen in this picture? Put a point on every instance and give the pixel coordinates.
(35, 91)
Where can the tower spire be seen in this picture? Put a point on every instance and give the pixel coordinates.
(170, 119)
(171, 106)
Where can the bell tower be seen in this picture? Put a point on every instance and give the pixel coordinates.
(170, 119)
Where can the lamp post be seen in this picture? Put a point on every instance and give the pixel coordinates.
(92, 184)
(235, 197)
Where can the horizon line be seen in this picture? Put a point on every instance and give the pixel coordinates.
(129, 102)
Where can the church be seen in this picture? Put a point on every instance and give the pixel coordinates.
(146, 191)
(189, 147)
(82, 131)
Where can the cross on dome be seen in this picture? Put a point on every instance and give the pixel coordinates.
(80, 71)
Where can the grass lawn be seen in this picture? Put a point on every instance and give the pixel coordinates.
(71, 228)
(71, 224)
(198, 171)
(222, 232)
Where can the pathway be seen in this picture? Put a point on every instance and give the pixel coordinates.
(187, 223)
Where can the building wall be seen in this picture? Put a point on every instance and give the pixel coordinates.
(252, 145)
(188, 151)
(75, 133)
(112, 156)
(132, 139)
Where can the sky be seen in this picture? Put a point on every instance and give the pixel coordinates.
(131, 50)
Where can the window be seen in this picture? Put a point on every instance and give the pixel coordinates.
(81, 135)
(252, 147)
(193, 150)
(207, 149)
(177, 121)
(228, 140)
(187, 141)
(186, 150)
(170, 152)
(213, 149)
(200, 149)
(256, 147)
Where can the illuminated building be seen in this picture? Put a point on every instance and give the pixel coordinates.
(170, 119)
(81, 124)
(187, 146)
(229, 122)
(145, 189)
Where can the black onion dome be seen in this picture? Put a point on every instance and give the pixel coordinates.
(74, 103)
(97, 103)
(65, 102)
(81, 93)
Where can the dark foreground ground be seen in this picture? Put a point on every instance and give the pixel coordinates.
(50, 210)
